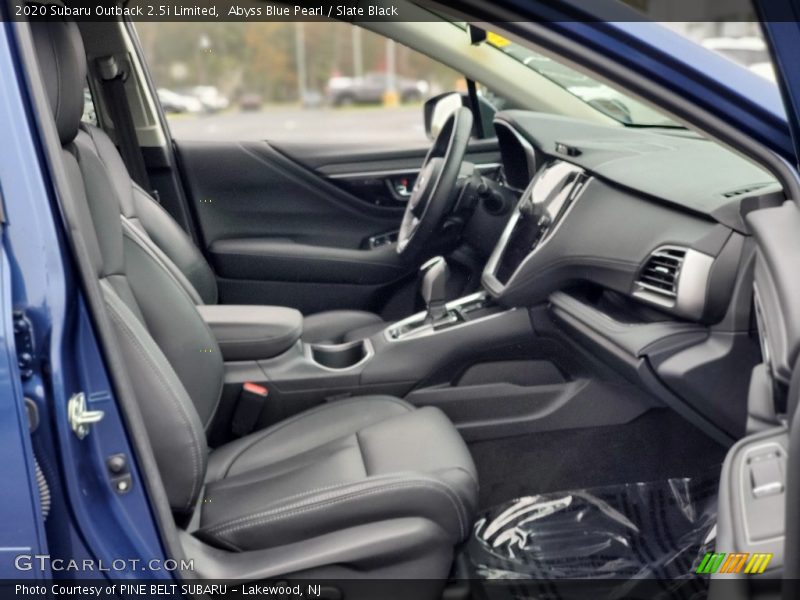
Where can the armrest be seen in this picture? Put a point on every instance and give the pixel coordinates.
(247, 332)
(286, 260)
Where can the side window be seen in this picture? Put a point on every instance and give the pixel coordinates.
(312, 82)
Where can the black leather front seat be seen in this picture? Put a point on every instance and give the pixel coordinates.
(196, 275)
(155, 228)
(368, 486)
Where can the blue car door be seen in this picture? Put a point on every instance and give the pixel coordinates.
(781, 24)
(22, 535)
(64, 513)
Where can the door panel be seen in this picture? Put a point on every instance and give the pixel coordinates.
(265, 258)
(305, 225)
(248, 190)
(759, 489)
(377, 175)
(334, 159)
(272, 227)
(757, 482)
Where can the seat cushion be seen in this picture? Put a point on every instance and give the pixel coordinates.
(346, 463)
(335, 326)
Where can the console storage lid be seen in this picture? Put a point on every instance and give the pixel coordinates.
(247, 332)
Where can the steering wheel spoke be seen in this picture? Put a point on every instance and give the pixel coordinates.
(432, 193)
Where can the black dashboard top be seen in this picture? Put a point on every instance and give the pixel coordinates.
(653, 216)
(673, 165)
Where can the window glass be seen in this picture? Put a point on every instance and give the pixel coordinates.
(730, 29)
(597, 94)
(301, 82)
(740, 41)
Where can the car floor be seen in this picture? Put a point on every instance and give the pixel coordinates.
(656, 446)
(625, 502)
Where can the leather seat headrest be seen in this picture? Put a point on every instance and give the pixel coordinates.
(62, 62)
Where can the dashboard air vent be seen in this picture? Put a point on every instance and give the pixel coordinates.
(660, 273)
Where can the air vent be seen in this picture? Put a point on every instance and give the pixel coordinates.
(660, 273)
(676, 279)
(744, 190)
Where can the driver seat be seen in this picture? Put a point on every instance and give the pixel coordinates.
(156, 229)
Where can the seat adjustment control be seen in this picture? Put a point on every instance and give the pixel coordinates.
(766, 477)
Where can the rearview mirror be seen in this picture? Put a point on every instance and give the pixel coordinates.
(438, 109)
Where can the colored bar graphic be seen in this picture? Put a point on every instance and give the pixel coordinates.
(734, 562)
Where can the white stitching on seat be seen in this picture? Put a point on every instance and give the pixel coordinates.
(269, 516)
(156, 255)
(261, 435)
(449, 493)
(196, 453)
(152, 252)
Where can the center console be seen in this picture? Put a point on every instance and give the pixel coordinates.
(394, 361)
(248, 332)
(459, 312)
(433, 352)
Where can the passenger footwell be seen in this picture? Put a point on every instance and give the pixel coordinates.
(656, 530)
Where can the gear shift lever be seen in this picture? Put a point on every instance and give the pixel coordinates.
(434, 288)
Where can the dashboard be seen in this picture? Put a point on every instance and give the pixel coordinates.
(656, 216)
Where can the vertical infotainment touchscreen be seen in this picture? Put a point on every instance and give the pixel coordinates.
(539, 209)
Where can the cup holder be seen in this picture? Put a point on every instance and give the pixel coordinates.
(340, 356)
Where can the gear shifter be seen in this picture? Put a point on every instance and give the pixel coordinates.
(434, 288)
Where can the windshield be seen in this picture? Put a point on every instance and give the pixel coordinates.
(604, 98)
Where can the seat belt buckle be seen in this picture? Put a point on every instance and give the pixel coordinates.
(252, 399)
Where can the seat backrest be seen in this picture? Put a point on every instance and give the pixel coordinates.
(141, 211)
(172, 357)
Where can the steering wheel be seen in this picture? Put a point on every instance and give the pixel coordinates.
(431, 196)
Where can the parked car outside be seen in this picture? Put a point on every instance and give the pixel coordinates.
(370, 89)
(250, 102)
(210, 97)
(176, 103)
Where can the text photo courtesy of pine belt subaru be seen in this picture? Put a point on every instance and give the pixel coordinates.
(400, 300)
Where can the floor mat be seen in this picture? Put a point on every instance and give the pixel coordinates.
(659, 445)
(657, 530)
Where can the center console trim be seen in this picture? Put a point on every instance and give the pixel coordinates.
(423, 329)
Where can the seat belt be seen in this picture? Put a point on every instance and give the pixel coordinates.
(252, 399)
(113, 79)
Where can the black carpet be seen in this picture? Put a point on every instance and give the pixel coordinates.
(657, 446)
